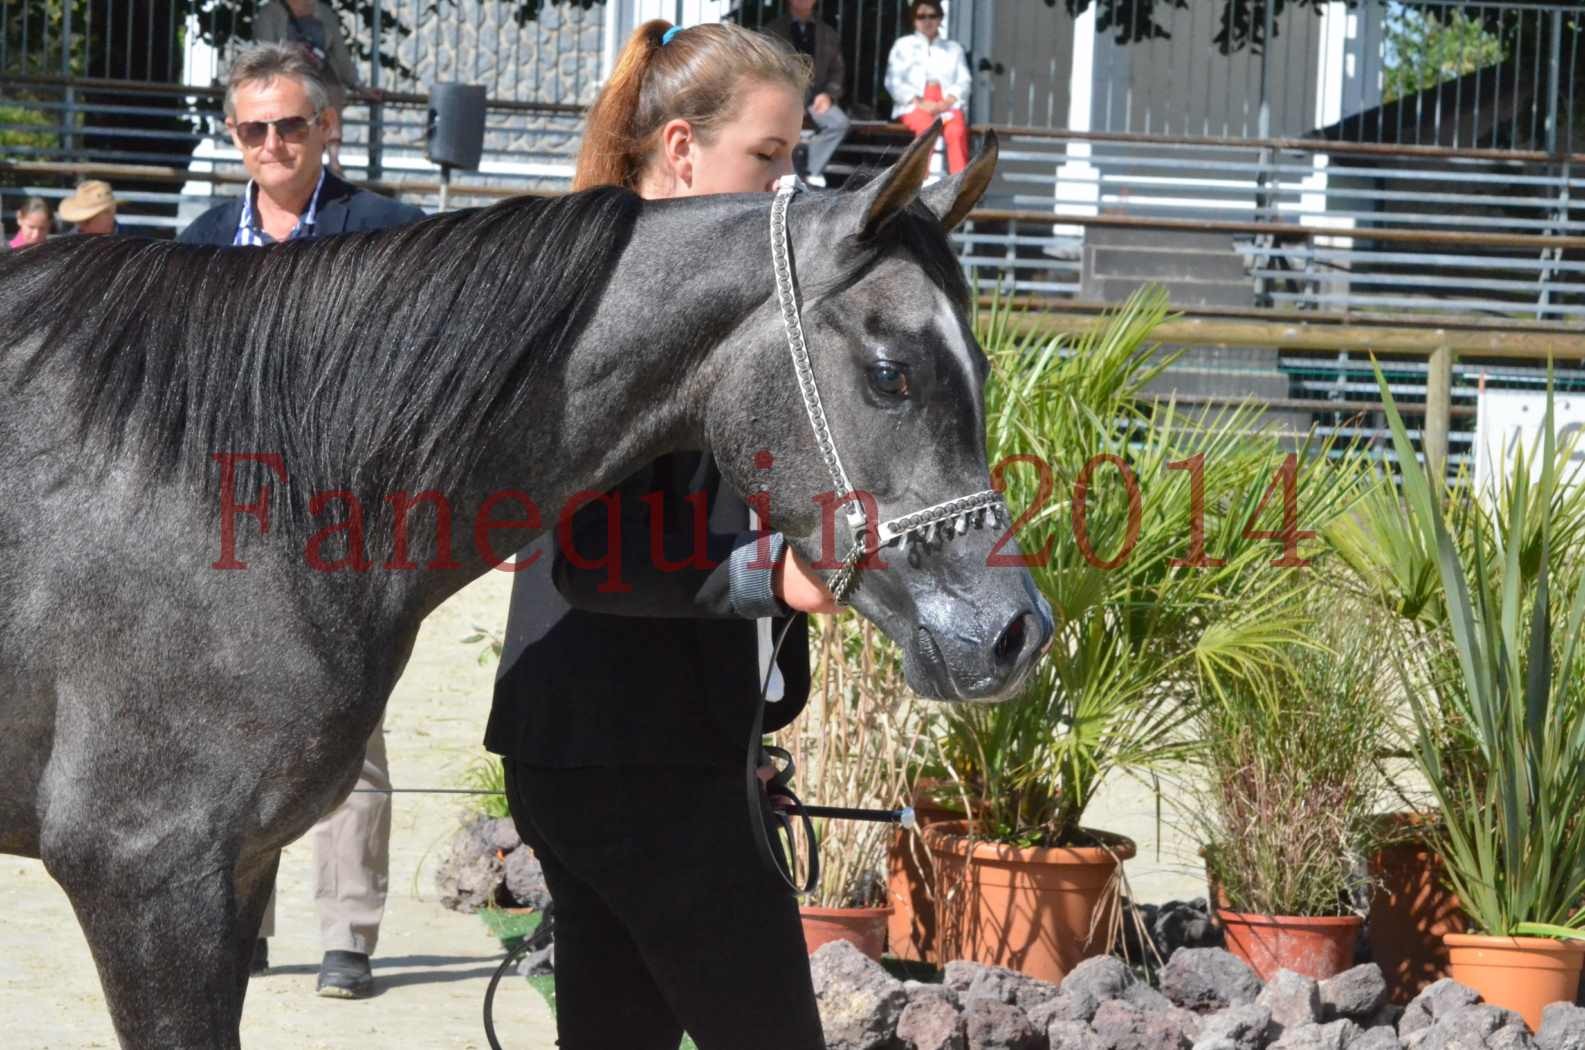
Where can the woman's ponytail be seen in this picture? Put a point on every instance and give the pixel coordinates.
(696, 77)
(607, 156)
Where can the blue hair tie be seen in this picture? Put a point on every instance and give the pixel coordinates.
(667, 36)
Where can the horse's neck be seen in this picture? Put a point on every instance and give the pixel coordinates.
(632, 388)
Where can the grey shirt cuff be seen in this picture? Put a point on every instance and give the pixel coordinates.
(749, 587)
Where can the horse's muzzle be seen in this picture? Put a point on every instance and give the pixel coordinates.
(987, 668)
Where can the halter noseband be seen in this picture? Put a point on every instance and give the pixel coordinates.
(951, 517)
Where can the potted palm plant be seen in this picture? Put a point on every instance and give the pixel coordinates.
(855, 747)
(1287, 790)
(1152, 534)
(1509, 779)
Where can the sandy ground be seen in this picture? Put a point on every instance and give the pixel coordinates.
(432, 964)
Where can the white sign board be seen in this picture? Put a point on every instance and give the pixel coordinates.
(1508, 420)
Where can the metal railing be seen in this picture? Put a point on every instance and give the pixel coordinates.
(172, 142)
(1315, 226)
(1434, 367)
(1315, 229)
(167, 56)
(1468, 75)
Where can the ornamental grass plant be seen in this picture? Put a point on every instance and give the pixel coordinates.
(1287, 779)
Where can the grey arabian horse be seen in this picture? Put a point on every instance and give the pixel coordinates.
(235, 481)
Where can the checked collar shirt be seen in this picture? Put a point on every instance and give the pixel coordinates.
(249, 232)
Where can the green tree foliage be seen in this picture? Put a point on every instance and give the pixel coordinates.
(1437, 27)
(1422, 50)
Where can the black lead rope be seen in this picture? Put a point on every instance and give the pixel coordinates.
(774, 800)
(489, 992)
(773, 803)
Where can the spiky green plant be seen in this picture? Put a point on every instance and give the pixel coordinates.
(487, 776)
(1511, 784)
(1392, 564)
(1388, 554)
(1388, 557)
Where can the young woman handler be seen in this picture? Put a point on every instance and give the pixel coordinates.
(623, 718)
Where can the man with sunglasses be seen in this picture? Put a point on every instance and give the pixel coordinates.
(278, 113)
(275, 108)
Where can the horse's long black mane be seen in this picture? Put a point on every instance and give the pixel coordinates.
(364, 360)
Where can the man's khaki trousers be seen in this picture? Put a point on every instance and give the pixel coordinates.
(352, 860)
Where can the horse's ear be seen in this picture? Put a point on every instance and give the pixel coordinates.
(898, 186)
(952, 199)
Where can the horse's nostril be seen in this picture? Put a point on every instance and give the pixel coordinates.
(1010, 643)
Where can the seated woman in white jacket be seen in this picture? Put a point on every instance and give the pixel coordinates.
(927, 77)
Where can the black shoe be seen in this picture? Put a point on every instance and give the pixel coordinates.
(345, 975)
(261, 957)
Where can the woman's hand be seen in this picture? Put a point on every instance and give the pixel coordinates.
(799, 588)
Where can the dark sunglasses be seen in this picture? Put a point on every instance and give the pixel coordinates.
(290, 129)
(927, 18)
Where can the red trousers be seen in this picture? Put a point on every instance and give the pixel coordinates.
(953, 129)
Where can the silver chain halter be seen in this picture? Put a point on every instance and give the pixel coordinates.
(945, 519)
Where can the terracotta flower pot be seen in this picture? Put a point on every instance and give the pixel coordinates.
(864, 928)
(1411, 909)
(1524, 974)
(910, 883)
(1031, 910)
(1318, 946)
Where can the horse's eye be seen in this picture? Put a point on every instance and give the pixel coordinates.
(889, 380)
